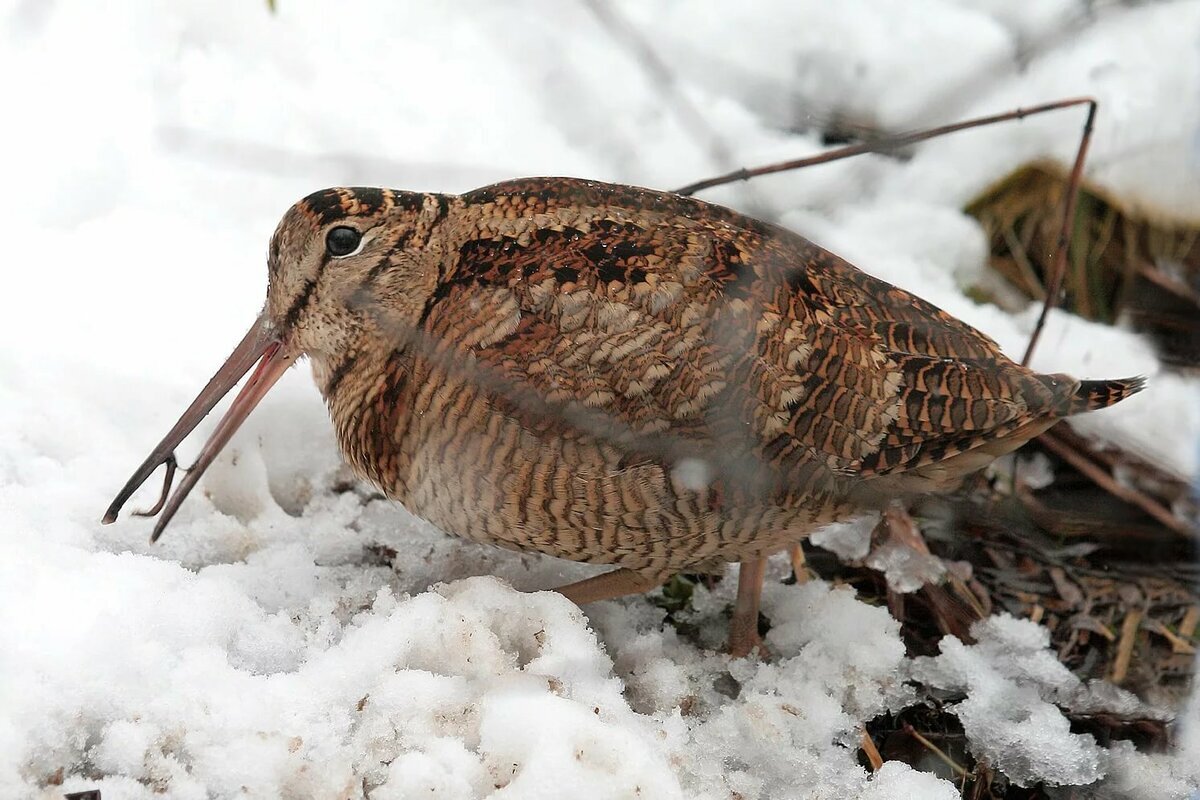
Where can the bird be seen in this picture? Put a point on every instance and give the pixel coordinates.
(617, 375)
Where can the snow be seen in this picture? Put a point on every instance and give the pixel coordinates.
(791, 728)
(905, 569)
(850, 540)
(292, 635)
(1015, 688)
(1005, 715)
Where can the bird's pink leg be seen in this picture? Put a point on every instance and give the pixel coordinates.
(743, 626)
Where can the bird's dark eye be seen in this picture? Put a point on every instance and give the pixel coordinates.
(342, 241)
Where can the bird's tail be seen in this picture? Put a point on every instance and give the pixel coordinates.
(1091, 395)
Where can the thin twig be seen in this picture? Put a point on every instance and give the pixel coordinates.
(1179, 645)
(1187, 626)
(1129, 629)
(884, 145)
(1059, 265)
(1167, 282)
(933, 748)
(872, 752)
(1105, 481)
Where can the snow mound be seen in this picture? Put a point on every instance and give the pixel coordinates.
(467, 689)
(1015, 689)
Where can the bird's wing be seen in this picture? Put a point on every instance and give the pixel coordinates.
(676, 327)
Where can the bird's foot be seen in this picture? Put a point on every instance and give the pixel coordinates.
(742, 645)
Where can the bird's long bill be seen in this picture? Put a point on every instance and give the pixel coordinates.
(258, 345)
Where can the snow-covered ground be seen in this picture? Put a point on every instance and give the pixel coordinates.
(264, 648)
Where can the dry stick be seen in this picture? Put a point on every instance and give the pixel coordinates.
(1069, 439)
(890, 143)
(1124, 657)
(937, 751)
(871, 751)
(894, 142)
(1187, 626)
(1179, 645)
(1110, 484)
(1059, 266)
(1165, 281)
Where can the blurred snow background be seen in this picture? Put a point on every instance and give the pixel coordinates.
(272, 645)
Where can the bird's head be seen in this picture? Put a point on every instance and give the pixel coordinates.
(342, 263)
(341, 258)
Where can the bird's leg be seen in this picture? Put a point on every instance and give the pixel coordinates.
(743, 626)
(953, 615)
(902, 528)
(799, 563)
(617, 583)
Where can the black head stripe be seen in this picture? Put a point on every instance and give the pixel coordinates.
(332, 205)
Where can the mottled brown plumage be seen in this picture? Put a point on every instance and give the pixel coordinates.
(628, 377)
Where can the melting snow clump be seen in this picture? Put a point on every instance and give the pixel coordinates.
(1014, 687)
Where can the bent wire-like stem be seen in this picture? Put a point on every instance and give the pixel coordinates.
(887, 144)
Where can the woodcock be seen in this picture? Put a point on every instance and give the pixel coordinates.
(619, 376)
